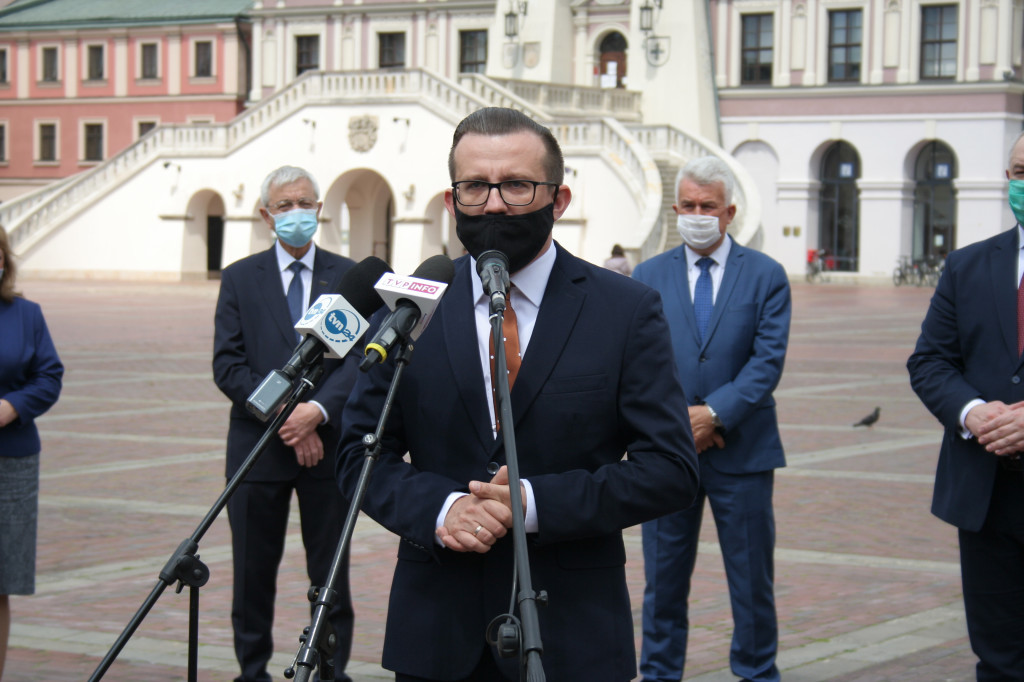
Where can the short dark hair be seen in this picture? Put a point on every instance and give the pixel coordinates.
(498, 121)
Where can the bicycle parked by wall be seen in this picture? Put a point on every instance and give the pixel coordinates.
(907, 272)
(919, 273)
(817, 265)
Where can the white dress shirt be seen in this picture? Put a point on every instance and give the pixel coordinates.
(530, 283)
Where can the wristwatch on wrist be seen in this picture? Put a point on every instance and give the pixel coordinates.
(715, 419)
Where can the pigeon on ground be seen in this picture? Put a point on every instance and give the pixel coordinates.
(870, 419)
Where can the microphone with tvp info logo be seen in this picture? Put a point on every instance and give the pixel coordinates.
(331, 327)
(412, 301)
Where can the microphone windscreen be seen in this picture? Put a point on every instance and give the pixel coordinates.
(437, 268)
(357, 285)
(490, 255)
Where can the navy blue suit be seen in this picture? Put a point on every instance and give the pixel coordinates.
(254, 334)
(967, 350)
(597, 381)
(30, 374)
(734, 370)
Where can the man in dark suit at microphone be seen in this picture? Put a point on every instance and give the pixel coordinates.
(597, 379)
(261, 298)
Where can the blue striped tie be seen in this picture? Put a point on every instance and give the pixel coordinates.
(703, 302)
(294, 294)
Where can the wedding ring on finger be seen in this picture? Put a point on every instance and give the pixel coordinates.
(477, 530)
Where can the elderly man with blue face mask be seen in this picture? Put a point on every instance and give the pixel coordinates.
(261, 298)
(967, 370)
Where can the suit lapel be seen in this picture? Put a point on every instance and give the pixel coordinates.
(563, 301)
(269, 283)
(323, 276)
(1003, 271)
(458, 324)
(681, 278)
(733, 269)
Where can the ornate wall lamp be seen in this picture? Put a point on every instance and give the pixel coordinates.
(655, 47)
(647, 16)
(515, 14)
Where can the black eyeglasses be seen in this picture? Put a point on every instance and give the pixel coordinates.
(512, 192)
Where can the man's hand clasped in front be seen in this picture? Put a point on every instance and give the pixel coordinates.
(998, 426)
(705, 435)
(476, 521)
(299, 432)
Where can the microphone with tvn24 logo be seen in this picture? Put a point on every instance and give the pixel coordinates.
(412, 301)
(330, 327)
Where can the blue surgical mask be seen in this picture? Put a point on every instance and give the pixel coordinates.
(1017, 199)
(296, 227)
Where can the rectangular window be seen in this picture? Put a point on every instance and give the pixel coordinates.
(472, 51)
(95, 63)
(204, 58)
(938, 41)
(47, 142)
(145, 127)
(307, 54)
(756, 58)
(93, 141)
(844, 40)
(3, 142)
(50, 74)
(392, 50)
(3, 65)
(149, 61)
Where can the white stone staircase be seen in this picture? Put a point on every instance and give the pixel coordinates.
(583, 121)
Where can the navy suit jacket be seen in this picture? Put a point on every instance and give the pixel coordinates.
(30, 374)
(738, 365)
(254, 334)
(596, 381)
(967, 350)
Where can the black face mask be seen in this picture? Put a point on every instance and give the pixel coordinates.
(520, 237)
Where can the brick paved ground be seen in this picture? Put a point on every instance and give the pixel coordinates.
(867, 580)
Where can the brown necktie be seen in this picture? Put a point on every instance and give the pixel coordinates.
(513, 358)
(1020, 317)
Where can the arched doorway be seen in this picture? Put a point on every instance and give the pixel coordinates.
(934, 203)
(838, 214)
(612, 59)
(357, 215)
(202, 250)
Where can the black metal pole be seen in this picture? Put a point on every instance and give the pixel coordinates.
(531, 647)
(315, 640)
(184, 566)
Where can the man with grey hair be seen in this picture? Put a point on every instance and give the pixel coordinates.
(261, 297)
(728, 309)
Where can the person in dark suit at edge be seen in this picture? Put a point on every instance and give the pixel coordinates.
(596, 381)
(261, 297)
(967, 369)
(729, 310)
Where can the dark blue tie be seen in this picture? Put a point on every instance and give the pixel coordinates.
(702, 298)
(294, 294)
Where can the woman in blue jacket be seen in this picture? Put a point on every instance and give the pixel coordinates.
(30, 381)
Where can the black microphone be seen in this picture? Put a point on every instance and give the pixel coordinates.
(412, 301)
(492, 266)
(330, 327)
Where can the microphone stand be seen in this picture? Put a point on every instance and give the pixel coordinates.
(511, 642)
(184, 566)
(318, 640)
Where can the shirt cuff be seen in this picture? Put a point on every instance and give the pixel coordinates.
(965, 433)
(532, 524)
(444, 512)
(321, 408)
